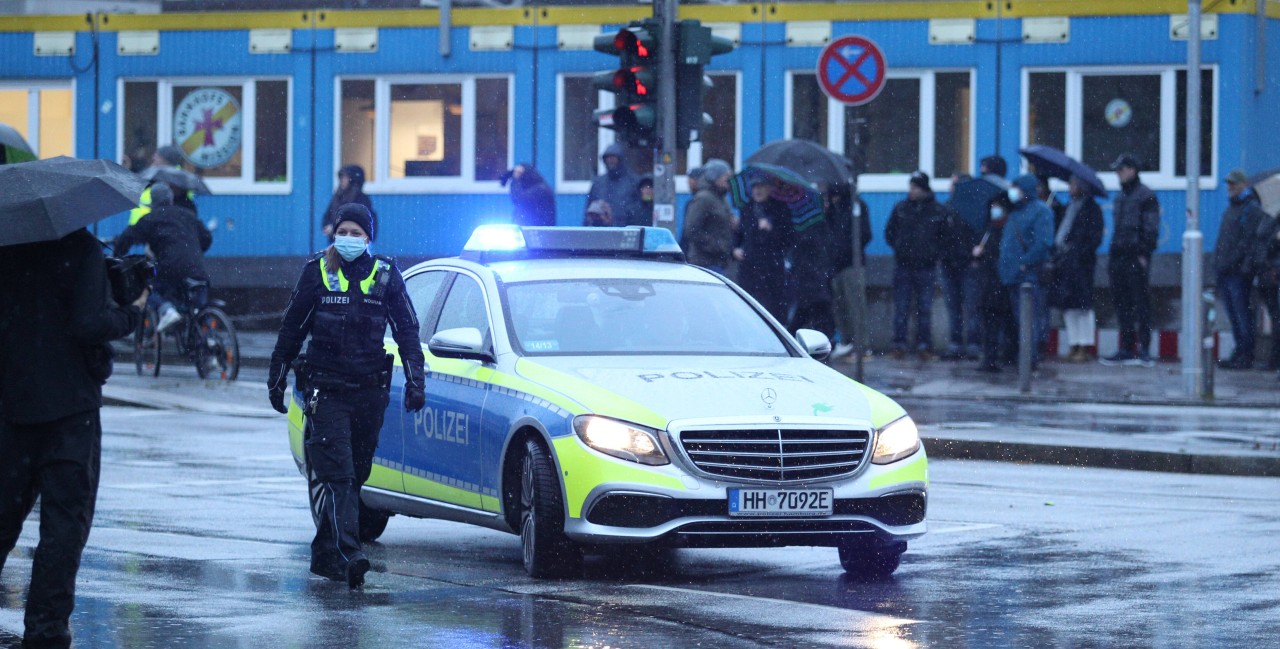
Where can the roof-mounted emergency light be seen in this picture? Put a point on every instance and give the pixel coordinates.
(501, 242)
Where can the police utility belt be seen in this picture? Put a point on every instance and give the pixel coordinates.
(309, 377)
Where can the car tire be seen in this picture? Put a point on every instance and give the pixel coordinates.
(373, 522)
(870, 560)
(547, 552)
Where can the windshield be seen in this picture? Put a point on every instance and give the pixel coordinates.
(625, 316)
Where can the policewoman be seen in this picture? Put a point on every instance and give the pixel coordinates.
(344, 300)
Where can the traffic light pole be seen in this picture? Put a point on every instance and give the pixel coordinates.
(664, 152)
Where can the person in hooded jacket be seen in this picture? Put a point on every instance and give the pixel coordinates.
(914, 231)
(709, 225)
(344, 301)
(350, 190)
(178, 240)
(1233, 263)
(58, 319)
(763, 241)
(618, 187)
(534, 202)
(1024, 249)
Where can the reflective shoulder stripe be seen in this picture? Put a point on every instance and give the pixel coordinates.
(367, 283)
(143, 208)
(333, 281)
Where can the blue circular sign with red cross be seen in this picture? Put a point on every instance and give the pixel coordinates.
(851, 70)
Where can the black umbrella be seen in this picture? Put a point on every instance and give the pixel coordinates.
(1052, 162)
(180, 179)
(45, 200)
(812, 161)
(1267, 186)
(14, 147)
(971, 199)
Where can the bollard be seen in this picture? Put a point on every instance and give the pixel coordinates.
(1024, 337)
(1208, 344)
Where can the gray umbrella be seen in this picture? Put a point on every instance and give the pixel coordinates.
(45, 200)
(812, 161)
(180, 179)
(1267, 186)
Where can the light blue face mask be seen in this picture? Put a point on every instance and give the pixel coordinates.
(350, 247)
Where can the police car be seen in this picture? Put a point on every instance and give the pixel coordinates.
(587, 388)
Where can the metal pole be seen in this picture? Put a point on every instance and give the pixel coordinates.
(1260, 48)
(1025, 343)
(859, 332)
(664, 153)
(1192, 239)
(446, 28)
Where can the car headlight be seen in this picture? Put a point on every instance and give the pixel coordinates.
(896, 441)
(612, 437)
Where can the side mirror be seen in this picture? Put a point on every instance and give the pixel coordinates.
(815, 343)
(463, 342)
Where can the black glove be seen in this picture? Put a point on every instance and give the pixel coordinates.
(277, 400)
(414, 399)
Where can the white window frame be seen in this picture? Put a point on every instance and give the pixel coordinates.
(896, 183)
(605, 137)
(33, 88)
(245, 183)
(383, 183)
(1161, 178)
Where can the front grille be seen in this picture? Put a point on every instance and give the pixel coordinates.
(777, 454)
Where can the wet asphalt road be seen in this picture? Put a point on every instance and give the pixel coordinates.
(202, 531)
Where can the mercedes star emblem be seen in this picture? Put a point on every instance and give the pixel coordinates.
(769, 396)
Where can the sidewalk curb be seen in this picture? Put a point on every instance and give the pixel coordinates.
(1103, 458)
(1226, 402)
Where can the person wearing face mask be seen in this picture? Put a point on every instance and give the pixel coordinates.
(1024, 249)
(344, 301)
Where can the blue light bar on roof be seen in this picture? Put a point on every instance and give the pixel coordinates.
(504, 241)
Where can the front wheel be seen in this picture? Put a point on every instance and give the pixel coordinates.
(373, 522)
(218, 352)
(147, 344)
(548, 553)
(870, 559)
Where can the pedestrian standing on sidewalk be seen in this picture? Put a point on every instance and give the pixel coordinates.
(350, 190)
(914, 231)
(344, 301)
(998, 332)
(843, 206)
(618, 187)
(1075, 256)
(765, 235)
(532, 200)
(1135, 232)
(1266, 266)
(55, 331)
(960, 284)
(1233, 264)
(1024, 249)
(709, 224)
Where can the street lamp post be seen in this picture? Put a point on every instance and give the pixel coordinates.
(1192, 239)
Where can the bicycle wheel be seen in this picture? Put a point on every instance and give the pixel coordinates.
(146, 344)
(219, 355)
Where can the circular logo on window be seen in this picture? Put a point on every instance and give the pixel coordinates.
(1119, 113)
(206, 126)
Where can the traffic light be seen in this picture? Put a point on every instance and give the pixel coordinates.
(634, 84)
(696, 47)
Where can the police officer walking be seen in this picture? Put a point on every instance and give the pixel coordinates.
(344, 301)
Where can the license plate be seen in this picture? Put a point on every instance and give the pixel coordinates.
(780, 502)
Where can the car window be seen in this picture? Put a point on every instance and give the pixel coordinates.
(423, 289)
(464, 307)
(623, 316)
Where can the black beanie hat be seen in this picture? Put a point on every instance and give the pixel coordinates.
(995, 165)
(358, 214)
(919, 179)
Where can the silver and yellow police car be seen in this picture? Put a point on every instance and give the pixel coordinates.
(588, 388)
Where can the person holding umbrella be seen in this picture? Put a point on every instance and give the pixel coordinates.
(1075, 254)
(58, 320)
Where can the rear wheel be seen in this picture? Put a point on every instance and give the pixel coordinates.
(146, 344)
(870, 559)
(219, 357)
(548, 553)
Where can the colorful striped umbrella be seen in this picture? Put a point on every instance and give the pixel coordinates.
(802, 199)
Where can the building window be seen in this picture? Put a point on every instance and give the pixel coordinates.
(426, 133)
(581, 142)
(43, 114)
(234, 133)
(1095, 115)
(920, 120)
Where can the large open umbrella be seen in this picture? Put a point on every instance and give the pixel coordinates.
(971, 199)
(810, 160)
(13, 147)
(180, 179)
(802, 199)
(1052, 162)
(45, 200)
(1267, 186)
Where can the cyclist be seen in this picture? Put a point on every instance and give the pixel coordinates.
(165, 156)
(344, 300)
(178, 241)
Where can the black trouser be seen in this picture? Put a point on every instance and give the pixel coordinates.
(1131, 293)
(999, 331)
(58, 462)
(1271, 301)
(341, 438)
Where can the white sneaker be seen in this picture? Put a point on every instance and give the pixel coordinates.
(841, 350)
(168, 319)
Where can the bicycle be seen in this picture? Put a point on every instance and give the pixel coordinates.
(205, 335)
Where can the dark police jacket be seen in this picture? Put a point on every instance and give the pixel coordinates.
(56, 322)
(346, 311)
